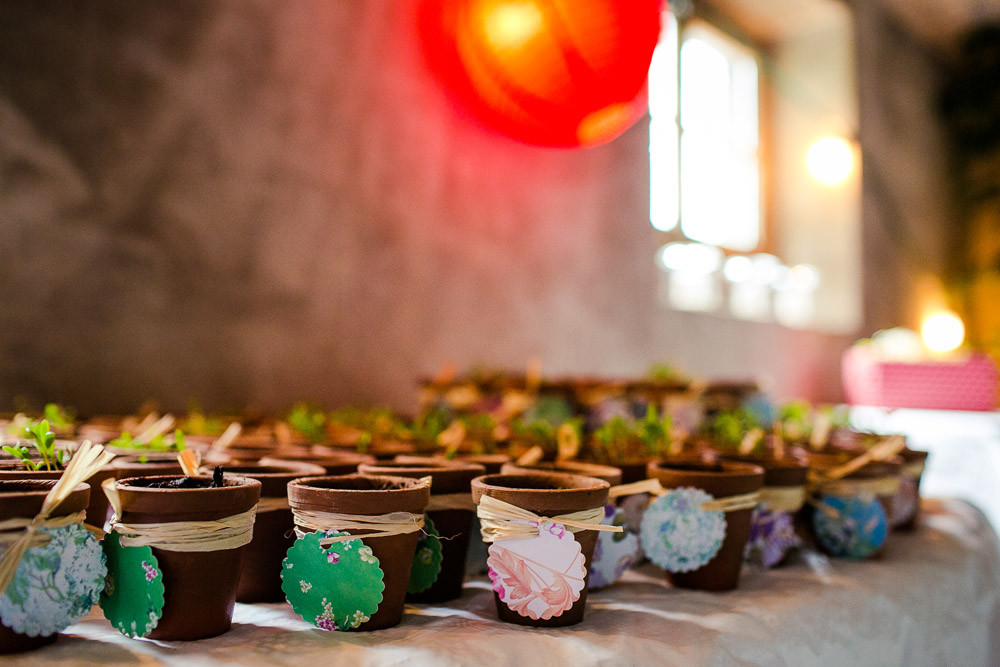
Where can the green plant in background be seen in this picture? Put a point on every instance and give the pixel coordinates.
(664, 373)
(480, 429)
(45, 446)
(59, 417)
(795, 418)
(727, 427)
(198, 423)
(160, 443)
(381, 422)
(554, 410)
(543, 433)
(309, 420)
(428, 426)
(620, 440)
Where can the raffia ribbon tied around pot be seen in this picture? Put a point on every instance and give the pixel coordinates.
(19, 534)
(503, 521)
(783, 498)
(229, 532)
(743, 501)
(379, 525)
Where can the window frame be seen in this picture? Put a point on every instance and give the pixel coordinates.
(766, 242)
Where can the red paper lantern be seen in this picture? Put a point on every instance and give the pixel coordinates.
(548, 72)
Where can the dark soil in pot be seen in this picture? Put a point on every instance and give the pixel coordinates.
(453, 525)
(22, 499)
(272, 531)
(199, 587)
(721, 480)
(371, 495)
(550, 494)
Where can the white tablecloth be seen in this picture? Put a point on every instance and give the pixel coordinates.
(934, 599)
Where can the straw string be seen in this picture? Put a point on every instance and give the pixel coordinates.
(503, 521)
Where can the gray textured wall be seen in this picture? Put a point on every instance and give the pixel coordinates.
(252, 202)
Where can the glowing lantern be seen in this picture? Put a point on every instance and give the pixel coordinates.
(547, 72)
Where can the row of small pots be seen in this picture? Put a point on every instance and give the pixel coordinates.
(201, 587)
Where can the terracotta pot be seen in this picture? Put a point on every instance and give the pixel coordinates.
(98, 507)
(892, 467)
(335, 462)
(721, 480)
(200, 586)
(609, 474)
(550, 494)
(454, 525)
(273, 532)
(22, 499)
(371, 495)
(160, 464)
(905, 514)
(491, 462)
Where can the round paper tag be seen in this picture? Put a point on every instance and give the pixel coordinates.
(540, 577)
(615, 552)
(55, 584)
(772, 536)
(426, 559)
(855, 528)
(132, 599)
(677, 534)
(335, 588)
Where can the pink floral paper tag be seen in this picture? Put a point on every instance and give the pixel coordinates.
(539, 577)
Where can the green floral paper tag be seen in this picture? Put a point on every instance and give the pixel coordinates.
(335, 588)
(426, 559)
(133, 590)
(55, 585)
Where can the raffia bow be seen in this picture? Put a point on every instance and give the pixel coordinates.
(653, 487)
(22, 534)
(503, 521)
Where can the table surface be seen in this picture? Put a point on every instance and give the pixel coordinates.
(933, 599)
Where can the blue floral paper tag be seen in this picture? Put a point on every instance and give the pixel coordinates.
(851, 527)
(615, 552)
(56, 584)
(677, 534)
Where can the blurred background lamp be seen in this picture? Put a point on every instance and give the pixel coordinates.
(943, 332)
(831, 160)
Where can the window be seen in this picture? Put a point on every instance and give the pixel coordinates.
(705, 181)
(704, 163)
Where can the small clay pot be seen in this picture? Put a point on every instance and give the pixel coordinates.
(333, 461)
(721, 480)
(199, 586)
(913, 467)
(371, 495)
(549, 494)
(453, 525)
(609, 474)
(98, 507)
(273, 533)
(491, 462)
(892, 467)
(22, 499)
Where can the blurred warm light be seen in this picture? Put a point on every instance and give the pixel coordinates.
(943, 332)
(690, 258)
(738, 269)
(510, 24)
(831, 160)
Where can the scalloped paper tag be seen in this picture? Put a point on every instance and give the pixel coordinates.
(677, 534)
(335, 588)
(856, 528)
(132, 599)
(540, 577)
(55, 584)
(772, 536)
(426, 559)
(615, 552)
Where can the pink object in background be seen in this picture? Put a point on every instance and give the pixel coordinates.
(970, 384)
